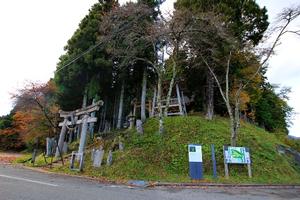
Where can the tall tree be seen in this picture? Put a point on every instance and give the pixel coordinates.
(272, 111)
(245, 19)
(85, 63)
(233, 102)
(131, 38)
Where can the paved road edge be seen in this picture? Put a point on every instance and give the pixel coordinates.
(164, 184)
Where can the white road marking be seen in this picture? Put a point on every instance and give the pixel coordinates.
(28, 180)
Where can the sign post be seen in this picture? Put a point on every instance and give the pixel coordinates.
(195, 161)
(236, 155)
(214, 163)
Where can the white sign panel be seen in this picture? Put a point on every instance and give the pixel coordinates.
(195, 153)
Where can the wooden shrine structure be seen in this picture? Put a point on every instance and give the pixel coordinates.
(176, 107)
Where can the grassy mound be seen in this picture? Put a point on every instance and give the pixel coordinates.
(165, 158)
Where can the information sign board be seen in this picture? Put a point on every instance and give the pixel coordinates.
(237, 155)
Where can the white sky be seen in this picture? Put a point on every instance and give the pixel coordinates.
(34, 32)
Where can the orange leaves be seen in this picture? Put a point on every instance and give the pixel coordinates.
(34, 113)
(10, 139)
(19, 126)
(21, 121)
(7, 132)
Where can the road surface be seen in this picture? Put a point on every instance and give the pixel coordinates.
(23, 184)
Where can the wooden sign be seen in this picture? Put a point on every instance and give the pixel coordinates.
(236, 155)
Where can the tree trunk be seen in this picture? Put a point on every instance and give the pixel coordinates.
(154, 102)
(143, 97)
(120, 114)
(236, 122)
(232, 125)
(179, 99)
(160, 114)
(233, 131)
(210, 97)
(114, 111)
(84, 101)
(170, 89)
(103, 116)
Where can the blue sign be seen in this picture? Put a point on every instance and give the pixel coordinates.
(195, 161)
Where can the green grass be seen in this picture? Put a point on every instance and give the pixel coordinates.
(40, 160)
(153, 157)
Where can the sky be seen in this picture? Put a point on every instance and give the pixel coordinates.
(34, 32)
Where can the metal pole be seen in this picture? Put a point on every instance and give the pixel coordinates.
(225, 164)
(213, 158)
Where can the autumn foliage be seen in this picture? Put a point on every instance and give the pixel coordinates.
(11, 137)
(33, 117)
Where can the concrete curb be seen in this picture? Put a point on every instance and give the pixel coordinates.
(221, 185)
(130, 183)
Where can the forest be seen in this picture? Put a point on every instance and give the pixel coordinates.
(207, 57)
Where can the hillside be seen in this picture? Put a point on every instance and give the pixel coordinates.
(155, 158)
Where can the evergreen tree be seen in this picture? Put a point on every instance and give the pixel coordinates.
(94, 67)
(245, 18)
(272, 111)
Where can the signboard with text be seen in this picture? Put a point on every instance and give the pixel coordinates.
(236, 155)
(195, 153)
(195, 161)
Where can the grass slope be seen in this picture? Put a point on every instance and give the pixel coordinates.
(165, 158)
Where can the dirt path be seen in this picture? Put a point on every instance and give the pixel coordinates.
(8, 157)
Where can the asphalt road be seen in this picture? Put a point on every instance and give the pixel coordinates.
(23, 184)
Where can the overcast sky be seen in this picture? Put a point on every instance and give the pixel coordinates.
(34, 32)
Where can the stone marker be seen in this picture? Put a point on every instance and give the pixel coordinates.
(53, 149)
(74, 157)
(131, 118)
(49, 146)
(98, 157)
(139, 126)
(109, 158)
(121, 146)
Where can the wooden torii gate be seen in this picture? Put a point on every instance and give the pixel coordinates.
(72, 118)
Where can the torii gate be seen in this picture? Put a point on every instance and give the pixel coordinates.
(73, 118)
